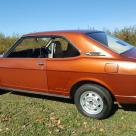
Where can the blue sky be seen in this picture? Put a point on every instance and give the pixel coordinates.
(24, 16)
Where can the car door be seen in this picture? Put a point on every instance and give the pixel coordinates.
(22, 71)
(59, 67)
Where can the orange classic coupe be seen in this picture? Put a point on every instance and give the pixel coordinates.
(91, 67)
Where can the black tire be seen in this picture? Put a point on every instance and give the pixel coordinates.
(105, 97)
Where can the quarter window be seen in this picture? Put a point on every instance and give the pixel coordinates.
(64, 49)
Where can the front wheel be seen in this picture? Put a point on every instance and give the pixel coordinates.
(93, 101)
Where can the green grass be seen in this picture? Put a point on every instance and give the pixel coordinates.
(29, 116)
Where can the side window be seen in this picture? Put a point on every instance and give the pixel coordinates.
(64, 49)
(31, 48)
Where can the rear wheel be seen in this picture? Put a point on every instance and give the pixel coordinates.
(94, 101)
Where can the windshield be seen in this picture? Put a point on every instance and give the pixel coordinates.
(111, 42)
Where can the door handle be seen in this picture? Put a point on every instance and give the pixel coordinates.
(40, 63)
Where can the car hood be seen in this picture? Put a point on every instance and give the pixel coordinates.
(130, 54)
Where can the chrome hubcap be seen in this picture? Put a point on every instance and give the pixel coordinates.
(91, 102)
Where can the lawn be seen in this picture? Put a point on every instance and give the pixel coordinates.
(25, 115)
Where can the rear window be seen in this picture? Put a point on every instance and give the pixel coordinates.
(100, 37)
(111, 42)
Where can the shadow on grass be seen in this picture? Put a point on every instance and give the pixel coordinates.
(65, 100)
(125, 107)
(129, 107)
(3, 92)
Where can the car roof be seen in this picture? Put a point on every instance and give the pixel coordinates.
(61, 32)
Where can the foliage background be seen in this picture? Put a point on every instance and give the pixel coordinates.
(127, 34)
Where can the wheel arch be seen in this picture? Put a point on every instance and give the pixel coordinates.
(76, 85)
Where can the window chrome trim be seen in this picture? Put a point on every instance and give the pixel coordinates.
(33, 92)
